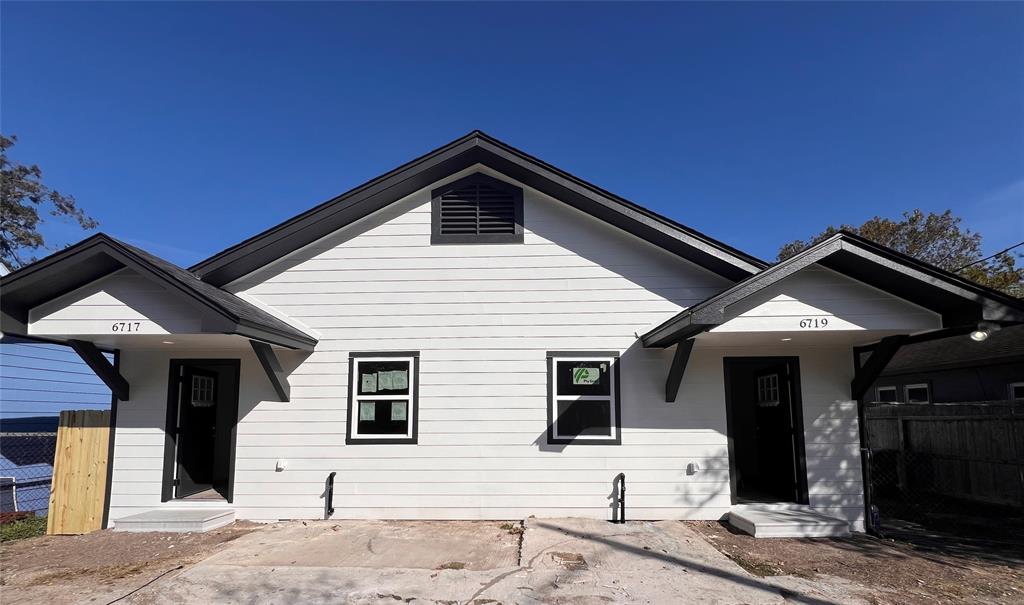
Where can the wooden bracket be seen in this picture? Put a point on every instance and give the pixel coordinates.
(678, 368)
(864, 376)
(99, 364)
(271, 365)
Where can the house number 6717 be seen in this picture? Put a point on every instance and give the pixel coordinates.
(125, 326)
(814, 322)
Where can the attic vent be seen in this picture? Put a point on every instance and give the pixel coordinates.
(477, 210)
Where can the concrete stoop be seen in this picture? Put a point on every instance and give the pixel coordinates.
(786, 521)
(176, 520)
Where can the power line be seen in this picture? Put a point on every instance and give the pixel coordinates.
(989, 257)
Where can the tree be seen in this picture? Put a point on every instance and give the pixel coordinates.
(937, 239)
(22, 196)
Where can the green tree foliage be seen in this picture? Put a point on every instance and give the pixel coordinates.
(933, 238)
(22, 197)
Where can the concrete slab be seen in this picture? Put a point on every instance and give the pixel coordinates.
(180, 520)
(471, 545)
(786, 521)
(564, 561)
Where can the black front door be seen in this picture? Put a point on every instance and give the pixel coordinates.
(775, 433)
(197, 431)
(765, 429)
(202, 414)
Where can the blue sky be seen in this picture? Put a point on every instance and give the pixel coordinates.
(185, 128)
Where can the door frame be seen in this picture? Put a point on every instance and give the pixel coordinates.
(796, 401)
(171, 421)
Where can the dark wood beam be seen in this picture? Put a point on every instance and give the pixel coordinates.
(271, 365)
(675, 373)
(883, 353)
(106, 371)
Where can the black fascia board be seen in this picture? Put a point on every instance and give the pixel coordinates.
(101, 255)
(959, 301)
(474, 148)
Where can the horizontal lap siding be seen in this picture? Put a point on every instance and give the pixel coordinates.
(483, 318)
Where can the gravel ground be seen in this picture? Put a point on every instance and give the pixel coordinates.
(891, 572)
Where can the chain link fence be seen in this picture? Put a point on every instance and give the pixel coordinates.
(26, 468)
(953, 467)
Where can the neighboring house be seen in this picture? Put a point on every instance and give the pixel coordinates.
(955, 370)
(480, 335)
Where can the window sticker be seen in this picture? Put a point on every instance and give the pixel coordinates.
(368, 411)
(583, 375)
(399, 410)
(393, 380)
(369, 383)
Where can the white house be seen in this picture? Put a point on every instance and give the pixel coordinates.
(480, 335)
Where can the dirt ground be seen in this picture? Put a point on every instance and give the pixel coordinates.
(914, 573)
(103, 565)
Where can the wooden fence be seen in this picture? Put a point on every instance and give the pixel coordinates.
(78, 491)
(969, 451)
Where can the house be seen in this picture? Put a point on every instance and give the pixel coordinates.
(956, 370)
(480, 335)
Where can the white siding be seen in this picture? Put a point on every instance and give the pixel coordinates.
(482, 318)
(817, 293)
(124, 296)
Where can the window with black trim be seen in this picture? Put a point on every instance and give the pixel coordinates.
(887, 394)
(1015, 390)
(478, 209)
(383, 397)
(583, 398)
(917, 393)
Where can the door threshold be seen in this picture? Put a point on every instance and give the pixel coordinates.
(207, 495)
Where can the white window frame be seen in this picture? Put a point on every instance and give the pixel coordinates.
(411, 409)
(554, 437)
(895, 394)
(1009, 391)
(920, 385)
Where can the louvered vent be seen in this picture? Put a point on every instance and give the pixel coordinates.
(477, 209)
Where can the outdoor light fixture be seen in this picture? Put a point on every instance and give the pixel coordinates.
(167, 342)
(785, 339)
(984, 330)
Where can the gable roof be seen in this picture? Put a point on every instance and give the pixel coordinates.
(473, 148)
(101, 255)
(959, 301)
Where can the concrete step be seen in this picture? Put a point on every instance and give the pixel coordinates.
(786, 521)
(179, 520)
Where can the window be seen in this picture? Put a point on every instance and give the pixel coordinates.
(916, 393)
(383, 403)
(477, 210)
(583, 398)
(204, 392)
(1016, 390)
(887, 395)
(768, 390)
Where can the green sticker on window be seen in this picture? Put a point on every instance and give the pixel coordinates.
(399, 409)
(367, 410)
(586, 375)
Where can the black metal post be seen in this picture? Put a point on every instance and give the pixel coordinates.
(329, 499)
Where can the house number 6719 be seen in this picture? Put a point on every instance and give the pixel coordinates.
(814, 322)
